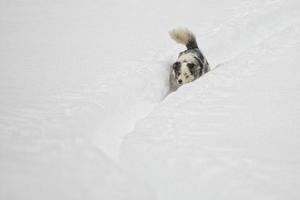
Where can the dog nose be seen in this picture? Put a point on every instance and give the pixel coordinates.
(180, 81)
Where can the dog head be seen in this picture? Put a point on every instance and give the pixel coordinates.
(186, 70)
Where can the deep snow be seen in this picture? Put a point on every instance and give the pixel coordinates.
(234, 134)
(80, 80)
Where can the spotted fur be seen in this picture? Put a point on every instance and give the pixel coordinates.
(191, 63)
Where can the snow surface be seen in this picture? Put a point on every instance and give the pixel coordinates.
(85, 111)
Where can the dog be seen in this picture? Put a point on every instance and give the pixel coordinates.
(191, 63)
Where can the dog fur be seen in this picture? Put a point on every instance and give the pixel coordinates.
(191, 63)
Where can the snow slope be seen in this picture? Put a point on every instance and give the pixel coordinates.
(80, 79)
(49, 169)
(234, 134)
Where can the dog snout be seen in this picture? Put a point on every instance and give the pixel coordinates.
(180, 81)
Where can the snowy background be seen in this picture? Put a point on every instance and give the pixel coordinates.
(85, 111)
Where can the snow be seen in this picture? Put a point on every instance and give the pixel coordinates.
(64, 170)
(85, 110)
(231, 135)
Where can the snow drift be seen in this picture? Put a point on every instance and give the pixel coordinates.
(232, 134)
(79, 80)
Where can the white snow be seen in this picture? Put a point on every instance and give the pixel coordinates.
(234, 134)
(83, 113)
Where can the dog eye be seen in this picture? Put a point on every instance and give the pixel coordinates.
(191, 65)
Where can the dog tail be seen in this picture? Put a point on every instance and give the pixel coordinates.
(184, 36)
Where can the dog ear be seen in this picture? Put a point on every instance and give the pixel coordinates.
(176, 65)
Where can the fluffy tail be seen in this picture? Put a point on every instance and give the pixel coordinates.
(184, 36)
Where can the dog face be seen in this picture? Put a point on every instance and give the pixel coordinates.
(184, 72)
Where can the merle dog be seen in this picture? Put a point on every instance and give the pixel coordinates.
(191, 63)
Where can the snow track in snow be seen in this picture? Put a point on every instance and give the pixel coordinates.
(228, 135)
(78, 78)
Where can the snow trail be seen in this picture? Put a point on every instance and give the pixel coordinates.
(238, 146)
(76, 78)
